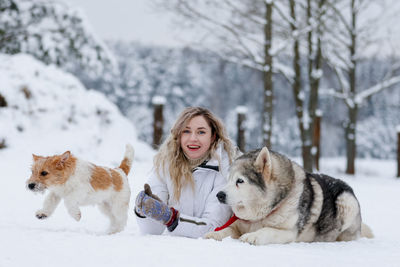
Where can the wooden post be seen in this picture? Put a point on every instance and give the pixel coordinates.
(398, 151)
(241, 129)
(2, 143)
(3, 102)
(158, 120)
(316, 152)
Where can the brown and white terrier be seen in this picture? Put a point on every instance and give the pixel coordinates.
(82, 183)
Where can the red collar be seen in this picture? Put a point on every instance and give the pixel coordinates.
(234, 219)
(229, 222)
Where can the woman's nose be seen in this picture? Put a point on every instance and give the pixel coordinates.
(193, 136)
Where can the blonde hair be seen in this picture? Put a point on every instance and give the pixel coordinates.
(171, 154)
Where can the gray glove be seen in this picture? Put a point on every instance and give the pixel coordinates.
(149, 205)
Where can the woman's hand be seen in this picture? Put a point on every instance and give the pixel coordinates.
(149, 205)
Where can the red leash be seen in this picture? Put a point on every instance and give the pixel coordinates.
(229, 222)
(234, 218)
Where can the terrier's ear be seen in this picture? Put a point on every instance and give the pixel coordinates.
(263, 163)
(35, 158)
(63, 158)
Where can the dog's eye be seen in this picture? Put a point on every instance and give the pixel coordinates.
(239, 181)
(43, 173)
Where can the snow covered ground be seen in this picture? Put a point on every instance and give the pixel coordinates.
(60, 241)
(68, 117)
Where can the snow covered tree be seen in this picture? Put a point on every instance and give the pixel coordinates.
(302, 24)
(354, 35)
(266, 36)
(238, 31)
(54, 33)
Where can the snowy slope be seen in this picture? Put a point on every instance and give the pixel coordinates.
(49, 111)
(62, 115)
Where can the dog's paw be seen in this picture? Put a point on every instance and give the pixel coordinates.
(251, 238)
(214, 235)
(77, 216)
(41, 215)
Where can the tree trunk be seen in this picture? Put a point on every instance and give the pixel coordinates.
(314, 77)
(317, 141)
(158, 124)
(267, 113)
(241, 141)
(398, 152)
(351, 140)
(353, 106)
(297, 93)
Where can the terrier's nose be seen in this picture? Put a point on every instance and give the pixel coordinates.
(31, 186)
(221, 196)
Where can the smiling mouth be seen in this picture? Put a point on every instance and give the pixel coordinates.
(193, 147)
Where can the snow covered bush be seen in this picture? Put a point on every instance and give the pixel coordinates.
(49, 111)
(53, 32)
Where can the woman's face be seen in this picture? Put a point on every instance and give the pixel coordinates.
(196, 138)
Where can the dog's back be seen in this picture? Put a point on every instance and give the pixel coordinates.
(339, 216)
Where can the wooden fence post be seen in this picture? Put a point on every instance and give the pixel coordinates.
(158, 120)
(316, 146)
(398, 151)
(241, 129)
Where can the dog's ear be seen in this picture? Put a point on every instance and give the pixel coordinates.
(63, 158)
(237, 153)
(263, 163)
(35, 157)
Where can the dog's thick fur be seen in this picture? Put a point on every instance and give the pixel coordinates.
(81, 183)
(276, 201)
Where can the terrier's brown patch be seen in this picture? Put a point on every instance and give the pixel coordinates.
(100, 179)
(125, 166)
(116, 180)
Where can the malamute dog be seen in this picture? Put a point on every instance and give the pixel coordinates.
(276, 201)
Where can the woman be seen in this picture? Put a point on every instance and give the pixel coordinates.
(190, 169)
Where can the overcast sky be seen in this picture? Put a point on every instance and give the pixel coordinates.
(136, 20)
(128, 20)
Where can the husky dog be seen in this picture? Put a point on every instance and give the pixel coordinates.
(277, 201)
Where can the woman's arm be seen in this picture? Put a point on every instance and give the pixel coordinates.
(147, 225)
(215, 214)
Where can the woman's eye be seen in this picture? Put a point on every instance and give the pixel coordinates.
(239, 181)
(185, 131)
(43, 173)
(202, 132)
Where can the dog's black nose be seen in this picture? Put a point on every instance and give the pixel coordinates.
(221, 196)
(31, 186)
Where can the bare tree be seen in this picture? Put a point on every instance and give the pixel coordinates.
(254, 33)
(306, 20)
(238, 31)
(349, 41)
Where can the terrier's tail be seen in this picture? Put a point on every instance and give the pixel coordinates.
(126, 163)
(366, 231)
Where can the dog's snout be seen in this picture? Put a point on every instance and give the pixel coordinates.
(31, 186)
(221, 196)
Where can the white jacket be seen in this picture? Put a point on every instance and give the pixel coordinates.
(200, 206)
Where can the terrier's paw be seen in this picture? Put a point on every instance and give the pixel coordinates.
(77, 216)
(114, 230)
(41, 215)
(214, 235)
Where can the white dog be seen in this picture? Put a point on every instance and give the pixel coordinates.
(81, 183)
